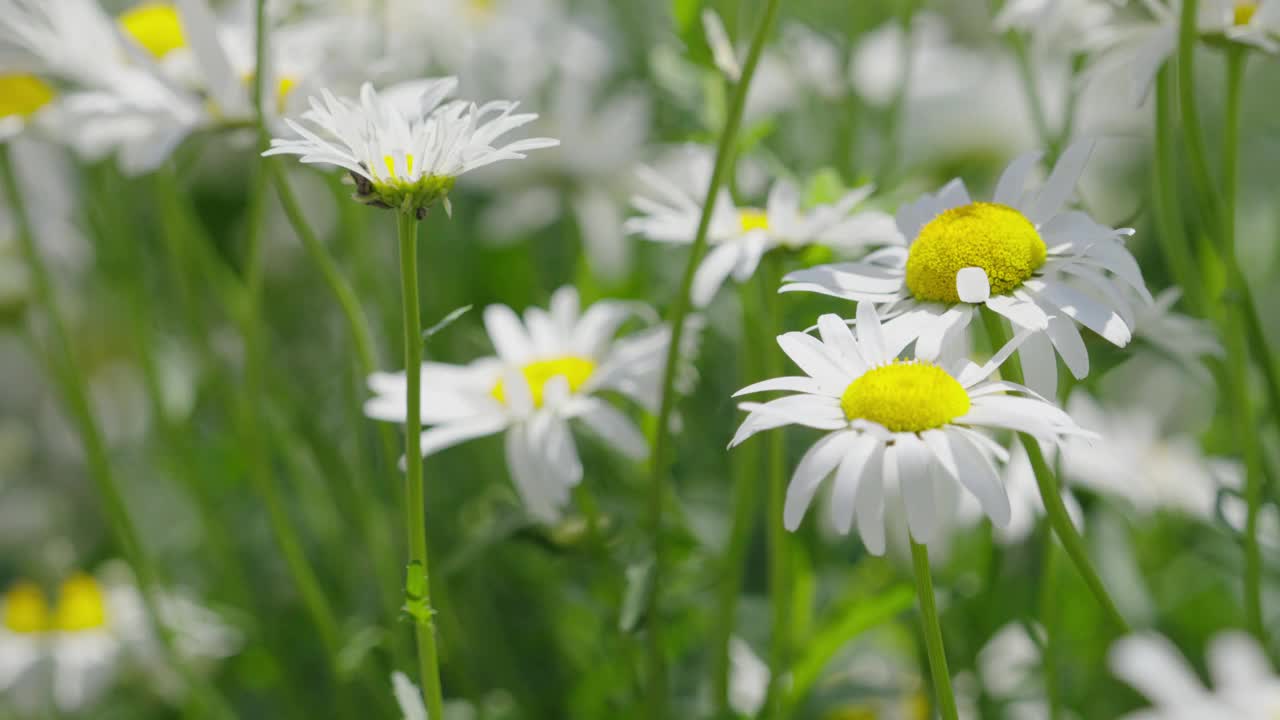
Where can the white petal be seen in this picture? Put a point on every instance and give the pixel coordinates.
(507, 334)
(713, 271)
(917, 489)
(814, 467)
(979, 477)
(1237, 663)
(445, 436)
(835, 335)
(1070, 346)
(870, 335)
(610, 424)
(813, 411)
(869, 505)
(794, 384)
(847, 479)
(1020, 312)
(1039, 365)
(1014, 179)
(972, 285)
(1062, 182)
(1086, 311)
(1155, 668)
(811, 356)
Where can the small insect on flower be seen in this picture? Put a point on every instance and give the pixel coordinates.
(905, 422)
(549, 369)
(1023, 256)
(406, 147)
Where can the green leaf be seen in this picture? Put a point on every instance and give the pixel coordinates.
(639, 580)
(685, 13)
(850, 622)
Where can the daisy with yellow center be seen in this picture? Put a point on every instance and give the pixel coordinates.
(1245, 685)
(550, 368)
(406, 155)
(739, 236)
(21, 97)
(1023, 255)
(155, 26)
(895, 424)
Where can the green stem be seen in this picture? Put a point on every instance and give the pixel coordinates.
(1187, 37)
(419, 583)
(1049, 618)
(1237, 351)
(657, 693)
(1168, 210)
(746, 471)
(933, 633)
(1048, 485)
(380, 542)
(778, 539)
(75, 394)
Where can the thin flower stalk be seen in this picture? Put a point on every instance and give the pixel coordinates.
(1050, 494)
(657, 691)
(946, 699)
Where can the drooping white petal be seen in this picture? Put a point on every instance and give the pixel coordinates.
(869, 504)
(917, 489)
(979, 477)
(713, 271)
(445, 436)
(814, 467)
(1039, 364)
(845, 491)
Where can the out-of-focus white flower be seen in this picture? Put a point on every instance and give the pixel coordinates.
(1025, 505)
(1009, 664)
(548, 370)
(748, 678)
(739, 237)
(1186, 339)
(1024, 256)
(22, 96)
(404, 148)
(891, 420)
(1143, 46)
(1244, 685)
(1134, 460)
(1060, 25)
(73, 648)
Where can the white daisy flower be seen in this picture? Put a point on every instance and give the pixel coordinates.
(1073, 25)
(1142, 47)
(909, 422)
(1244, 685)
(22, 97)
(739, 236)
(1025, 504)
(72, 649)
(405, 149)
(1023, 256)
(549, 369)
(1136, 460)
(748, 678)
(1182, 337)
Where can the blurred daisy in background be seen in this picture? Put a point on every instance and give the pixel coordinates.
(71, 645)
(1141, 46)
(406, 147)
(1133, 459)
(1025, 506)
(739, 236)
(1023, 256)
(892, 420)
(1244, 686)
(549, 369)
(1060, 26)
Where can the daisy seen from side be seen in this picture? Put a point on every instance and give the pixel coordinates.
(405, 148)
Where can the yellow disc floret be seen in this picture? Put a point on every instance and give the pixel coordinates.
(996, 238)
(23, 95)
(25, 609)
(155, 26)
(1243, 12)
(81, 605)
(905, 396)
(752, 219)
(576, 370)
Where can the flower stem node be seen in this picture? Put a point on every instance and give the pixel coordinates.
(416, 604)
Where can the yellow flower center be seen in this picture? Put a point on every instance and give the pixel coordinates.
(81, 605)
(23, 95)
(480, 9)
(25, 608)
(905, 396)
(752, 219)
(996, 238)
(155, 26)
(576, 370)
(1244, 12)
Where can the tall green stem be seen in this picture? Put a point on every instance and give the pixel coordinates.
(780, 570)
(1237, 350)
(1049, 619)
(1048, 485)
(418, 590)
(1200, 175)
(657, 693)
(933, 633)
(1168, 215)
(746, 473)
(75, 394)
